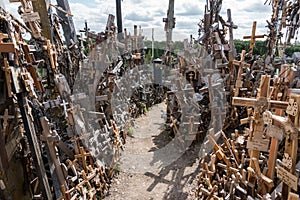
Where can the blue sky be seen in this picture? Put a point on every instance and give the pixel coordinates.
(149, 15)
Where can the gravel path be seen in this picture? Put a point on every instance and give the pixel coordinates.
(148, 170)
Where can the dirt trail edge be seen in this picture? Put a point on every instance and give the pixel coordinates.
(140, 178)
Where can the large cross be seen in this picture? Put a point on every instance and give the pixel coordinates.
(50, 138)
(7, 70)
(241, 64)
(275, 141)
(260, 104)
(253, 37)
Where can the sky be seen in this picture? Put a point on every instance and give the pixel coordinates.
(149, 13)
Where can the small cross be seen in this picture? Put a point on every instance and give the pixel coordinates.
(83, 156)
(5, 118)
(7, 71)
(253, 37)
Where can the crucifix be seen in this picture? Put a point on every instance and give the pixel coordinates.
(5, 118)
(241, 64)
(7, 70)
(253, 37)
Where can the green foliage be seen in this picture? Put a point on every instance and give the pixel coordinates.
(294, 48)
(260, 47)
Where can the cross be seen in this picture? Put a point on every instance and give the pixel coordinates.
(253, 37)
(83, 156)
(135, 38)
(231, 26)
(219, 46)
(274, 141)
(5, 118)
(241, 64)
(291, 147)
(50, 137)
(260, 104)
(7, 71)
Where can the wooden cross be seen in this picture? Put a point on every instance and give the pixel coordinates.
(7, 71)
(220, 47)
(50, 138)
(231, 26)
(274, 141)
(83, 156)
(253, 37)
(260, 104)
(135, 38)
(52, 55)
(241, 64)
(291, 147)
(5, 118)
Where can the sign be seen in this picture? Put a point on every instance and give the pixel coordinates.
(288, 178)
(31, 17)
(258, 144)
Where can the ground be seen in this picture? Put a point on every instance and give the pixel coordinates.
(144, 173)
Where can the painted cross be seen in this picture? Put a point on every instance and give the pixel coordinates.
(253, 37)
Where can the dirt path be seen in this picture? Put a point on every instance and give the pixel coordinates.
(143, 176)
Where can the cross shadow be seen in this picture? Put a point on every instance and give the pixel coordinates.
(178, 176)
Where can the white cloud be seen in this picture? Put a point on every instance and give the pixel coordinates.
(150, 13)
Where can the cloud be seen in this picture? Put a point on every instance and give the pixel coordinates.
(133, 16)
(190, 10)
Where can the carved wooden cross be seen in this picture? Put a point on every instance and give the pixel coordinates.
(219, 47)
(5, 118)
(7, 70)
(241, 64)
(253, 37)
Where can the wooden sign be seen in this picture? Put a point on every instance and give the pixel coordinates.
(31, 17)
(258, 144)
(275, 132)
(288, 178)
